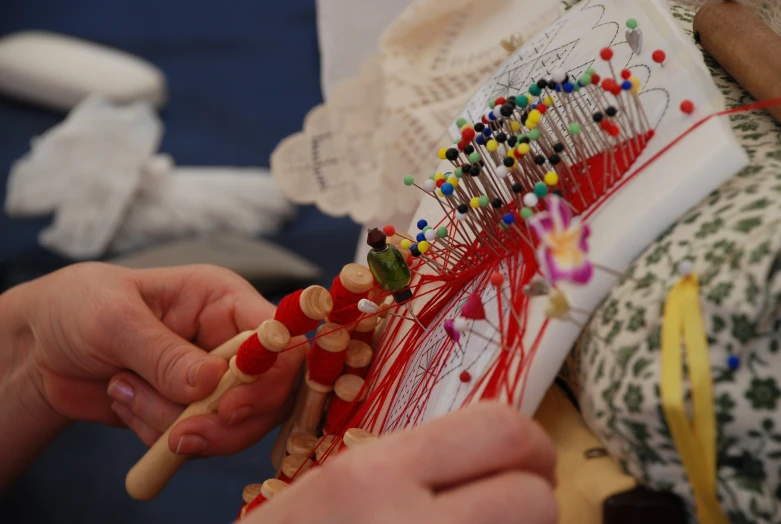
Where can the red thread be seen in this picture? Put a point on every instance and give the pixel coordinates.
(289, 313)
(284, 478)
(360, 372)
(324, 366)
(253, 358)
(339, 412)
(367, 337)
(345, 308)
(240, 516)
(260, 499)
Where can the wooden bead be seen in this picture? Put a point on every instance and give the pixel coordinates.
(251, 492)
(348, 386)
(367, 324)
(293, 465)
(303, 444)
(356, 436)
(359, 354)
(273, 335)
(324, 447)
(384, 310)
(356, 278)
(316, 302)
(273, 487)
(332, 338)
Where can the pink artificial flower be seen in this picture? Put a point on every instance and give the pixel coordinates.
(563, 250)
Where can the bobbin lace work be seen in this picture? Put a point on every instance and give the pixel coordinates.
(388, 122)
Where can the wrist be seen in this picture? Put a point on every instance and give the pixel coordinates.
(27, 421)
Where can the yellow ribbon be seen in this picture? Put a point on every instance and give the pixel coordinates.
(695, 439)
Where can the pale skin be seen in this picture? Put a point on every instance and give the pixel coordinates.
(95, 342)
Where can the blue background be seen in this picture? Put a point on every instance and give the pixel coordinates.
(241, 76)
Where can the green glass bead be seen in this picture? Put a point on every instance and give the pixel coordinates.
(535, 90)
(591, 71)
(475, 157)
(461, 122)
(534, 134)
(459, 172)
(409, 180)
(521, 101)
(631, 23)
(540, 189)
(575, 129)
(442, 232)
(526, 213)
(484, 201)
(389, 268)
(492, 104)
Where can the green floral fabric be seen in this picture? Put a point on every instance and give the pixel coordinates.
(733, 239)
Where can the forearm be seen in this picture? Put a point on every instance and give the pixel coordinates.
(27, 423)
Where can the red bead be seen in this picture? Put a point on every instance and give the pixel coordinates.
(485, 120)
(465, 376)
(607, 84)
(500, 101)
(615, 89)
(517, 154)
(542, 108)
(461, 145)
(468, 134)
(659, 56)
(596, 79)
(389, 230)
(497, 279)
(687, 106)
(440, 182)
(614, 130)
(606, 54)
(605, 125)
(626, 74)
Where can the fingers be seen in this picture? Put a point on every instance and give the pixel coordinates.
(481, 440)
(146, 433)
(208, 435)
(506, 498)
(80, 399)
(141, 401)
(174, 367)
(268, 393)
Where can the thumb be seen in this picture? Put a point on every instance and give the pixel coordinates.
(176, 368)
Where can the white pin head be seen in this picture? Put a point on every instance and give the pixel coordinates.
(460, 216)
(367, 306)
(431, 235)
(502, 172)
(530, 200)
(430, 185)
(686, 268)
(558, 76)
(459, 324)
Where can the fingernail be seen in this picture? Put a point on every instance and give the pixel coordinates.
(189, 444)
(192, 374)
(122, 412)
(121, 391)
(240, 415)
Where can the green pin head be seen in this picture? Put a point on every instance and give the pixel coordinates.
(575, 129)
(631, 23)
(409, 180)
(475, 157)
(540, 189)
(492, 104)
(526, 213)
(484, 201)
(521, 101)
(535, 90)
(534, 134)
(591, 71)
(459, 173)
(442, 232)
(461, 122)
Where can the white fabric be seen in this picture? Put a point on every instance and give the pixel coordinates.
(348, 31)
(99, 174)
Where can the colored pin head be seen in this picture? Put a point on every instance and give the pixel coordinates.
(497, 279)
(606, 54)
(368, 307)
(389, 230)
(659, 56)
(409, 180)
(473, 308)
(442, 232)
(687, 106)
(451, 330)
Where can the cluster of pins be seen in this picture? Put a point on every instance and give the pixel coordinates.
(529, 146)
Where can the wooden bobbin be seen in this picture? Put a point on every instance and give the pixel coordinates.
(311, 414)
(155, 469)
(316, 302)
(293, 465)
(356, 278)
(348, 387)
(228, 350)
(250, 493)
(354, 437)
(332, 337)
(326, 444)
(745, 46)
(359, 354)
(367, 324)
(301, 445)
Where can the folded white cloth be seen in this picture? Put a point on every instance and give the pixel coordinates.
(99, 174)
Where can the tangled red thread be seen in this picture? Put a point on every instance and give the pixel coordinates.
(324, 366)
(253, 357)
(290, 314)
(345, 310)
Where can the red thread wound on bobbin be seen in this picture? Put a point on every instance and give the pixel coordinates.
(345, 308)
(253, 358)
(339, 413)
(260, 499)
(290, 314)
(367, 337)
(325, 367)
(360, 372)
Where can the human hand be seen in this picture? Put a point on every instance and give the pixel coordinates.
(482, 465)
(142, 335)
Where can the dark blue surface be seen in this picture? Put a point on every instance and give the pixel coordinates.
(242, 76)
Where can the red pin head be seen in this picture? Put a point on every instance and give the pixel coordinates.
(596, 79)
(440, 182)
(687, 106)
(462, 144)
(389, 230)
(606, 54)
(468, 134)
(659, 56)
(500, 101)
(497, 279)
(542, 108)
(473, 309)
(626, 74)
